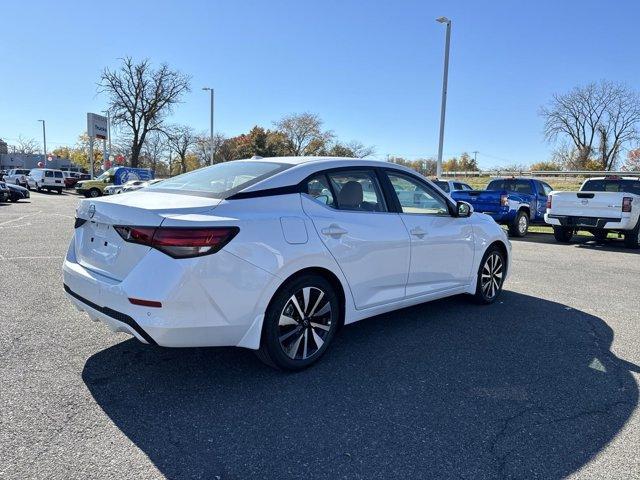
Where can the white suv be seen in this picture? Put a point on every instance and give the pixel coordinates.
(17, 176)
(47, 179)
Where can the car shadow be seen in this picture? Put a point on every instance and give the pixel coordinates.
(578, 241)
(524, 388)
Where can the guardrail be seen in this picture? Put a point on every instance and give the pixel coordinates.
(524, 173)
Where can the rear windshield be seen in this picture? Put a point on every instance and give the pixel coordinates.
(221, 180)
(511, 185)
(443, 185)
(626, 186)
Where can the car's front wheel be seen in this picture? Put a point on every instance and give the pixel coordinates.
(299, 323)
(491, 273)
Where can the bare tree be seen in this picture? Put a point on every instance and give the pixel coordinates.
(27, 145)
(202, 148)
(141, 97)
(181, 140)
(303, 133)
(360, 150)
(156, 146)
(597, 118)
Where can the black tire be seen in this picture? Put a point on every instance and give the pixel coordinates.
(520, 225)
(94, 193)
(632, 238)
(38, 189)
(291, 341)
(600, 235)
(13, 199)
(59, 191)
(491, 273)
(562, 234)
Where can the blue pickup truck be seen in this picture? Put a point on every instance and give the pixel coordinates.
(515, 202)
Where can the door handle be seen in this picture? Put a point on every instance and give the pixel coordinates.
(333, 230)
(418, 232)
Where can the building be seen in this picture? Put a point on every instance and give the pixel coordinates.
(28, 160)
(4, 148)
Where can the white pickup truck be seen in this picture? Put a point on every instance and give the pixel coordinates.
(603, 205)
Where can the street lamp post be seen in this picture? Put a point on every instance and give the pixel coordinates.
(44, 142)
(443, 107)
(211, 132)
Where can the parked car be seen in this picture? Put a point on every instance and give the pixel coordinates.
(82, 176)
(113, 176)
(2, 174)
(112, 189)
(17, 176)
(515, 202)
(70, 179)
(47, 179)
(17, 193)
(603, 205)
(5, 193)
(452, 185)
(133, 185)
(275, 254)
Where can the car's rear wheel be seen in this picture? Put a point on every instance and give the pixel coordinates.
(491, 273)
(300, 323)
(562, 234)
(632, 237)
(520, 225)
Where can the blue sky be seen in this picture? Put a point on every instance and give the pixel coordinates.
(372, 70)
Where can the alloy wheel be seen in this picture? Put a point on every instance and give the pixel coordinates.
(305, 323)
(492, 275)
(522, 225)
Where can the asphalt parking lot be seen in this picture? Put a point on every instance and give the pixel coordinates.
(543, 384)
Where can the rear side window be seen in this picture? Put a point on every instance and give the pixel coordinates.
(58, 174)
(318, 188)
(626, 186)
(48, 173)
(357, 191)
(496, 185)
(221, 180)
(443, 185)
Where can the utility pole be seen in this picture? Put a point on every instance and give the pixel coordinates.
(443, 106)
(475, 155)
(44, 141)
(211, 119)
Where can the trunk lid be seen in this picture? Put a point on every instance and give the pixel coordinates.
(98, 245)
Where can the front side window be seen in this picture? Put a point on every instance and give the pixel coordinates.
(221, 180)
(357, 191)
(417, 197)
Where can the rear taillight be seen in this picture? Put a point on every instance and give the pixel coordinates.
(180, 242)
(626, 204)
(504, 200)
(549, 198)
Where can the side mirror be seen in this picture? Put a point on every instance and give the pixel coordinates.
(464, 209)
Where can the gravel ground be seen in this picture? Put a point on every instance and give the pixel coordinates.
(543, 384)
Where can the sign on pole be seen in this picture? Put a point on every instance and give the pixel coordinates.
(97, 126)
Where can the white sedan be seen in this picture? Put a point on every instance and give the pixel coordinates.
(275, 254)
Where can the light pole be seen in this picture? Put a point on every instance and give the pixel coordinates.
(108, 131)
(443, 107)
(211, 91)
(44, 141)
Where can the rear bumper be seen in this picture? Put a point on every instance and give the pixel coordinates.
(589, 222)
(205, 301)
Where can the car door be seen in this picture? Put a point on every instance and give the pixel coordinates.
(442, 246)
(369, 243)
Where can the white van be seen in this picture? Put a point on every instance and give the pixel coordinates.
(47, 179)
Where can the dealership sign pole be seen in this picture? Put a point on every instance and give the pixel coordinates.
(96, 128)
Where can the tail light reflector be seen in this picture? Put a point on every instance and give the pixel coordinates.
(180, 242)
(145, 303)
(504, 200)
(626, 204)
(549, 199)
